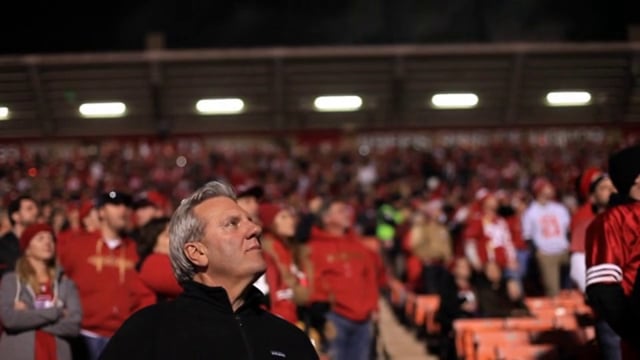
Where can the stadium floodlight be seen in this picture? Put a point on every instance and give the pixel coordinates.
(102, 109)
(220, 106)
(4, 113)
(337, 103)
(454, 101)
(568, 98)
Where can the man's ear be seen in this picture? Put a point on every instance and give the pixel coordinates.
(196, 253)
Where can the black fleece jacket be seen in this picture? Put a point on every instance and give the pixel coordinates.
(200, 324)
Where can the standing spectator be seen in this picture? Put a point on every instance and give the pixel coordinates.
(102, 264)
(286, 281)
(149, 205)
(596, 187)
(430, 241)
(513, 213)
(613, 254)
(216, 253)
(154, 264)
(546, 224)
(83, 220)
(344, 278)
(39, 305)
(22, 212)
(488, 237)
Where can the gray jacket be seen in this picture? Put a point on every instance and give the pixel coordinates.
(17, 341)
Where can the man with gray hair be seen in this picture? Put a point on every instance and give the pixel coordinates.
(216, 255)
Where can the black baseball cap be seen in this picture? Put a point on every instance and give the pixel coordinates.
(248, 188)
(115, 198)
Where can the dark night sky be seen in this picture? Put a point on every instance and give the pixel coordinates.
(65, 26)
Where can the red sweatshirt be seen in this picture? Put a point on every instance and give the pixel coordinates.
(157, 274)
(344, 274)
(109, 287)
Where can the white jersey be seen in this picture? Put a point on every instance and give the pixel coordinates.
(548, 226)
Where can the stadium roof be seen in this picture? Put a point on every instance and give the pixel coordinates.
(42, 94)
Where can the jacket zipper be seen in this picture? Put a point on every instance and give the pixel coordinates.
(244, 337)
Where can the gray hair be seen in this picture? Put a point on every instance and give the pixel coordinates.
(185, 227)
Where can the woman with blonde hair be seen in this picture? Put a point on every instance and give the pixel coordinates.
(39, 305)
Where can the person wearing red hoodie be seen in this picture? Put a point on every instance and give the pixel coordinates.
(343, 276)
(613, 254)
(287, 284)
(102, 264)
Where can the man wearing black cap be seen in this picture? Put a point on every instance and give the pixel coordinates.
(102, 266)
(613, 254)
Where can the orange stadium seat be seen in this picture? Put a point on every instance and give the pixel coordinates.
(483, 344)
(426, 307)
(465, 328)
(527, 352)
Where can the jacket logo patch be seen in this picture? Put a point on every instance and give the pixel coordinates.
(278, 354)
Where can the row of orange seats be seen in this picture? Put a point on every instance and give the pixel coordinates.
(505, 338)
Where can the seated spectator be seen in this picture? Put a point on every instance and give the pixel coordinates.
(39, 305)
(497, 296)
(458, 300)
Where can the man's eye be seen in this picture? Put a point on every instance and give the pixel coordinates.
(232, 223)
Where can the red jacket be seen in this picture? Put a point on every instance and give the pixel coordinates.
(344, 274)
(281, 269)
(109, 287)
(157, 274)
(579, 224)
(489, 241)
(613, 256)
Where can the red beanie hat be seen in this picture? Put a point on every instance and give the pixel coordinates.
(30, 232)
(267, 214)
(588, 179)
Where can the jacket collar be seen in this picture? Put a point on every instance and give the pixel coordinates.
(218, 298)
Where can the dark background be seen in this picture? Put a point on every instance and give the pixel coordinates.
(66, 26)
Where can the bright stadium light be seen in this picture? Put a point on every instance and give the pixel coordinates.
(338, 103)
(4, 113)
(454, 101)
(568, 98)
(220, 106)
(102, 109)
